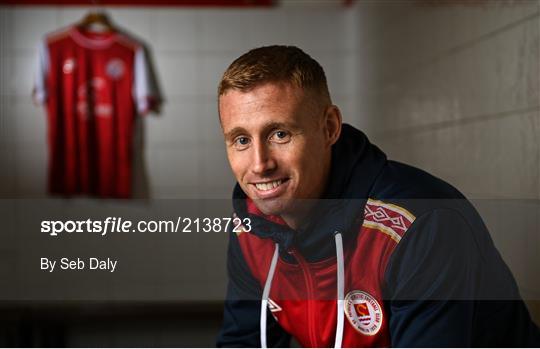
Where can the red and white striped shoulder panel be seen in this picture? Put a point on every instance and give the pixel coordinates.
(389, 219)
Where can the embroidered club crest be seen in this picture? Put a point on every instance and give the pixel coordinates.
(115, 68)
(363, 312)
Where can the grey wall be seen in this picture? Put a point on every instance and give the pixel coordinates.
(453, 88)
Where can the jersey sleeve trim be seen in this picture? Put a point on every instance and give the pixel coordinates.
(39, 92)
(388, 219)
(145, 90)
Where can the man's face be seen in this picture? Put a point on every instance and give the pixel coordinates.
(276, 144)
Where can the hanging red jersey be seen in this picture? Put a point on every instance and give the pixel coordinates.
(93, 86)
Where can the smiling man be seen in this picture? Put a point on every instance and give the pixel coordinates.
(347, 248)
(278, 140)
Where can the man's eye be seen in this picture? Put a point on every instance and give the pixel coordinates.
(281, 136)
(241, 142)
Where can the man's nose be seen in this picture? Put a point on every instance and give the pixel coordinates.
(263, 161)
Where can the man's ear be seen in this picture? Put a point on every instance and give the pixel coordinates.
(332, 124)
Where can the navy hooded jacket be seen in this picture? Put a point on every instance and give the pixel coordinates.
(442, 282)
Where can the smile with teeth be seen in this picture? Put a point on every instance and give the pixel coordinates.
(268, 185)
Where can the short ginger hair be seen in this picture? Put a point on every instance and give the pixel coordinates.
(276, 63)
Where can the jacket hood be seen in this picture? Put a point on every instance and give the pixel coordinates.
(355, 165)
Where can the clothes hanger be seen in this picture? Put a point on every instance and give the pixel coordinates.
(96, 20)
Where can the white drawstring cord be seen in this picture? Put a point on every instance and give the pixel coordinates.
(266, 293)
(340, 289)
(340, 292)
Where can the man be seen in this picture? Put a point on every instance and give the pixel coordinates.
(344, 247)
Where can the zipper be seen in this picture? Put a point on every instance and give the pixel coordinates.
(311, 294)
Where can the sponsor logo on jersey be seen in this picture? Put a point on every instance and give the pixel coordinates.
(68, 66)
(363, 312)
(92, 90)
(115, 68)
